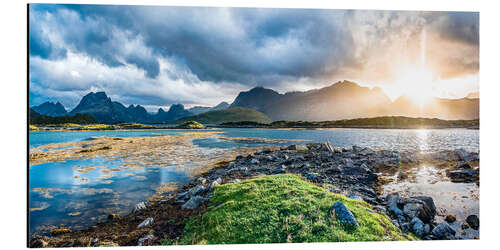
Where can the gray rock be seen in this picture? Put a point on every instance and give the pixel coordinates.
(473, 221)
(355, 197)
(380, 209)
(310, 176)
(443, 231)
(234, 180)
(146, 223)
(231, 165)
(202, 180)
(419, 229)
(193, 203)
(328, 146)
(428, 201)
(139, 206)
(416, 208)
(427, 229)
(343, 214)
(392, 204)
(197, 190)
(145, 241)
(356, 148)
(254, 161)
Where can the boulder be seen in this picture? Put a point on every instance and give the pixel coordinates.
(417, 208)
(450, 218)
(193, 203)
(428, 201)
(328, 147)
(345, 216)
(139, 206)
(464, 175)
(146, 223)
(392, 204)
(254, 161)
(444, 231)
(473, 221)
(418, 228)
(146, 241)
(196, 190)
(231, 164)
(464, 165)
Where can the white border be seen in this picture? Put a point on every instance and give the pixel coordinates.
(13, 104)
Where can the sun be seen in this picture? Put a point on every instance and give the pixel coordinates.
(416, 82)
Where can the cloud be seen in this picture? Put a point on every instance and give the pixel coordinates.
(186, 54)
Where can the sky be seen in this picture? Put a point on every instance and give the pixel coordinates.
(158, 56)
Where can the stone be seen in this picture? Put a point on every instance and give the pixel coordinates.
(197, 190)
(292, 147)
(328, 146)
(366, 151)
(193, 203)
(418, 229)
(356, 148)
(345, 216)
(254, 161)
(392, 204)
(450, 218)
(464, 165)
(146, 223)
(380, 209)
(473, 221)
(428, 201)
(146, 241)
(231, 164)
(112, 217)
(310, 176)
(355, 197)
(416, 208)
(443, 231)
(202, 180)
(234, 180)
(464, 175)
(38, 243)
(139, 206)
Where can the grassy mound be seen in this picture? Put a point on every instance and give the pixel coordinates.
(235, 114)
(190, 125)
(283, 208)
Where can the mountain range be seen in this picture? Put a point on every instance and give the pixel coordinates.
(348, 100)
(341, 100)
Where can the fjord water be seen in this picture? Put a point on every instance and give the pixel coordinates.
(397, 139)
(57, 197)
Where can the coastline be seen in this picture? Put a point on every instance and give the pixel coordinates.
(333, 165)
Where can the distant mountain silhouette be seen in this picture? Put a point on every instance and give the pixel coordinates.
(342, 100)
(347, 100)
(196, 110)
(104, 110)
(50, 109)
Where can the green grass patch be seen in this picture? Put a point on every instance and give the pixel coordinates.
(279, 209)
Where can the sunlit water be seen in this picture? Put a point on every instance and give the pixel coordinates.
(72, 197)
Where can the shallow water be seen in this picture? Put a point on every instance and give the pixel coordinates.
(81, 192)
(458, 199)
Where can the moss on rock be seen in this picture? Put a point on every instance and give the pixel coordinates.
(283, 208)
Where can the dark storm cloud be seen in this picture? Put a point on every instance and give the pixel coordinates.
(461, 27)
(253, 46)
(204, 48)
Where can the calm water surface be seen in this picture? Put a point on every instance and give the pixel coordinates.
(72, 196)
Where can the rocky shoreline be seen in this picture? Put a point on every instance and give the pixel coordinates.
(358, 173)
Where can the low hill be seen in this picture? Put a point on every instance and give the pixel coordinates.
(38, 119)
(234, 114)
